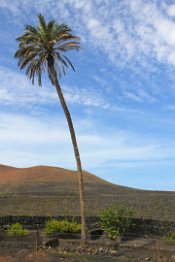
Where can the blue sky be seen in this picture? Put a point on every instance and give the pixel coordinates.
(122, 96)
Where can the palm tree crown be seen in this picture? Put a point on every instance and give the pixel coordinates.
(43, 46)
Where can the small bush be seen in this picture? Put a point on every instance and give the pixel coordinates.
(116, 221)
(17, 230)
(172, 235)
(62, 226)
(170, 238)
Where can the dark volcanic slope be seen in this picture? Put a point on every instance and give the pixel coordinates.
(44, 180)
(44, 190)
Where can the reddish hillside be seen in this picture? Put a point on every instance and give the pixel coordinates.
(44, 190)
(50, 180)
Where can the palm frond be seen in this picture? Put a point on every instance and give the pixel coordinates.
(31, 29)
(64, 72)
(60, 59)
(69, 62)
(42, 23)
(50, 25)
(68, 46)
(43, 43)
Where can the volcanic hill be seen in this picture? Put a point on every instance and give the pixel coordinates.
(44, 190)
(45, 180)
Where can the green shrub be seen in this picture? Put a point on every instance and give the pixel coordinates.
(17, 230)
(172, 235)
(62, 226)
(170, 238)
(115, 221)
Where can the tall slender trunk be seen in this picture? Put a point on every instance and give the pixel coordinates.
(77, 157)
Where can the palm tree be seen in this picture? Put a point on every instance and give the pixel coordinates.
(43, 47)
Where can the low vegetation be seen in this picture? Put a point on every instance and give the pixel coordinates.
(17, 230)
(170, 239)
(62, 226)
(116, 221)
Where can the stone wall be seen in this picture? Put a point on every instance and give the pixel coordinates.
(142, 227)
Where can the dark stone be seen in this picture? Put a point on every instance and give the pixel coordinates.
(53, 243)
(96, 234)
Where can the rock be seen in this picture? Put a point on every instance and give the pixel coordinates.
(147, 258)
(106, 251)
(161, 259)
(113, 252)
(123, 259)
(5, 227)
(165, 259)
(21, 253)
(53, 243)
(95, 252)
(100, 249)
(97, 234)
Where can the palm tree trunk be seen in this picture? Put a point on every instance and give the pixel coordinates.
(77, 157)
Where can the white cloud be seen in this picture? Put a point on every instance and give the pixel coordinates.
(16, 89)
(132, 96)
(86, 97)
(124, 31)
(28, 130)
(171, 10)
(13, 7)
(155, 30)
(146, 96)
(130, 33)
(26, 141)
(170, 107)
